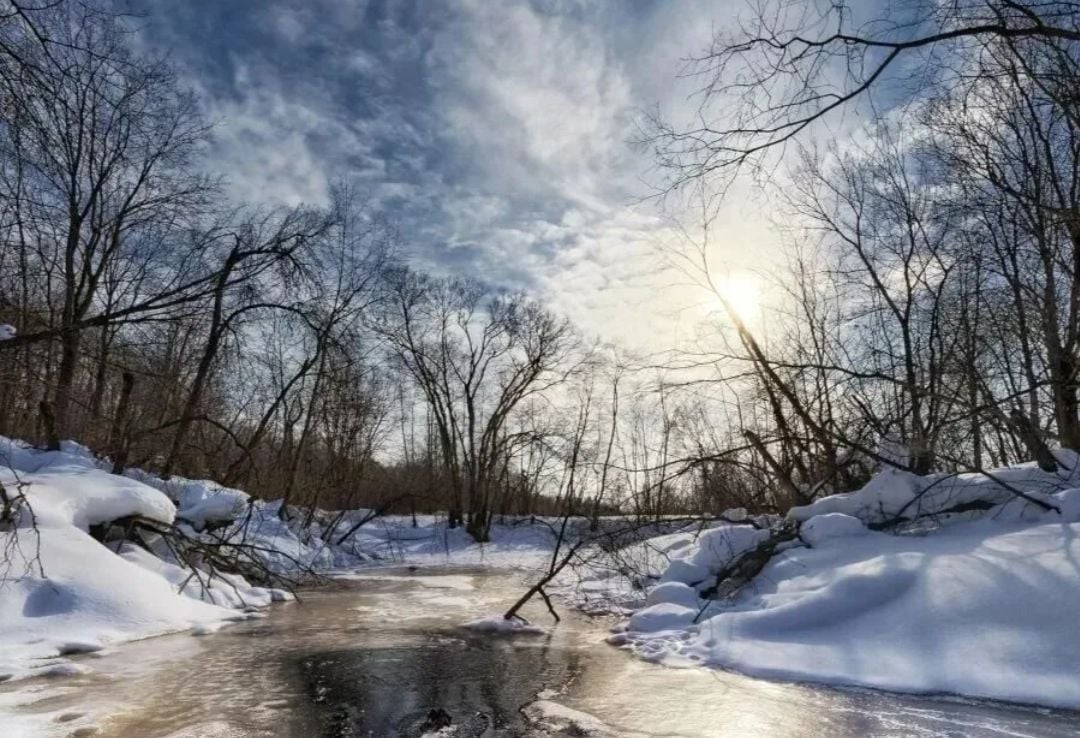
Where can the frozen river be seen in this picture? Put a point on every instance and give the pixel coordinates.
(378, 654)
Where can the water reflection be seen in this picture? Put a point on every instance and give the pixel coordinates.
(478, 682)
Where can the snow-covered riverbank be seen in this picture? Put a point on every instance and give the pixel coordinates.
(979, 602)
(65, 592)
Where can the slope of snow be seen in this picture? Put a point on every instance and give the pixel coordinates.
(899, 494)
(677, 552)
(983, 608)
(524, 543)
(198, 502)
(63, 592)
(821, 528)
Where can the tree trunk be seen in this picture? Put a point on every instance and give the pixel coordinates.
(198, 384)
(48, 420)
(1034, 444)
(97, 398)
(1068, 403)
(65, 381)
(119, 439)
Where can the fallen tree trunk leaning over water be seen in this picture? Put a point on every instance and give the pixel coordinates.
(210, 554)
(538, 588)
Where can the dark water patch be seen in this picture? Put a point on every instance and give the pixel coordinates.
(479, 682)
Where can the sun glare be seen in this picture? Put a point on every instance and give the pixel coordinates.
(743, 293)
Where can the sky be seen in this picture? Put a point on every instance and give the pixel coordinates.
(496, 134)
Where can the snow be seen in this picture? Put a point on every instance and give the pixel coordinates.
(715, 549)
(1068, 503)
(7, 331)
(226, 590)
(981, 603)
(198, 502)
(899, 494)
(284, 546)
(821, 528)
(101, 497)
(63, 592)
(557, 719)
(89, 595)
(664, 616)
(684, 572)
(693, 556)
(54, 475)
(503, 626)
(675, 593)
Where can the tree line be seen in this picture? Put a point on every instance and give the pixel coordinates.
(930, 310)
(929, 319)
(292, 352)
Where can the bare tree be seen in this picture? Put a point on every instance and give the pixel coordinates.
(98, 144)
(257, 253)
(476, 355)
(789, 64)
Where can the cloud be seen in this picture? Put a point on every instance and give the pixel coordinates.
(539, 95)
(496, 133)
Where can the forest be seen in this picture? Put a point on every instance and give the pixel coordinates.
(872, 440)
(927, 317)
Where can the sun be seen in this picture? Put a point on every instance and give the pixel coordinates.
(742, 292)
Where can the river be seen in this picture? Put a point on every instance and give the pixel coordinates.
(376, 654)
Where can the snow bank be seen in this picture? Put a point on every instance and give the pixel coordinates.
(63, 592)
(91, 597)
(665, 616)
(199, 502)
(982, 607)
(689, 556)
(675, 593)
(673, 552)
(226, 590)
(87, 497)
(978, 611)
(821, 528)
(695, 556)
(67, 487)
(715, 549)
(896, 494)
(283, 546)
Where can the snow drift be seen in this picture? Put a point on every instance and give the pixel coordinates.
(896, 494)
(981, 603)
(64, 592)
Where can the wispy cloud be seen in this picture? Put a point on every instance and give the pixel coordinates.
(495, 133)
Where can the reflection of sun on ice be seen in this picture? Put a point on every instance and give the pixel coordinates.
(742, 292)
